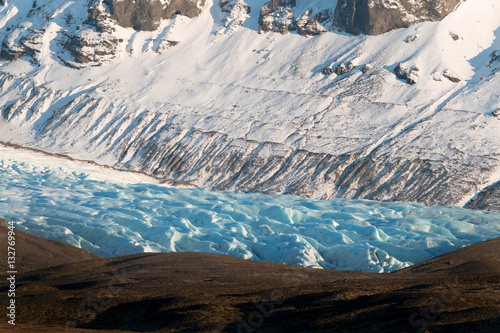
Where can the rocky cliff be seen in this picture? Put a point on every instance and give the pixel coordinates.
(146, 15)
(373, 17)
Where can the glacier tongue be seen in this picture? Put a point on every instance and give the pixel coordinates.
(125, 214)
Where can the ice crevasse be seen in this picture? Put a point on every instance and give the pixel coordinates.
(113, 217)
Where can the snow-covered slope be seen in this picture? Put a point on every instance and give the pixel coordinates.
(225, 107)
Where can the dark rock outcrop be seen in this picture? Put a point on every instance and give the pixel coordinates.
(316, 25)
(410, 76)
(370, 17)
(400, 72)
(98, 17)
(342, 68)
(452, 76)
(411, 39)
(10, 52)
(165, 45)
(145, 15)
(88, 46)
(327, 70)
(486, 199)
(276, 15)
(374, 17)
(366, 68)
(235, 11)
(234, 8)
(494, 57)
(22, 41)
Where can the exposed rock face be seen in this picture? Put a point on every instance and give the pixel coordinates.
(147, 14)
(88, 46)
(165, 45)
(316, 25)
(486, 199)
(494, 57)
(354, 16)
(342, 68)
(10, 51)
(366, 68)
(328, 70)
(411, 39)
(234, 8)
(99, 17)
(276, 15)
(411, 76)
(93, 42)
(452, 76)
(236, 12)
(23, 41)
(374, 17)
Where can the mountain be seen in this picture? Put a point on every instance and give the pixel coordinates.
(357, 99)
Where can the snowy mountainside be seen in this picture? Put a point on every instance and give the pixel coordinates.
(221, 105)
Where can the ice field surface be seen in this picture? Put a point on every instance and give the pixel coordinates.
(115, 213)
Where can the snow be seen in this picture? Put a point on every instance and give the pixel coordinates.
(269, 88)
(115, 213)
(433, 51)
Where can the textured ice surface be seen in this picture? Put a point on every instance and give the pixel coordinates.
(70, 202)
(262, 101)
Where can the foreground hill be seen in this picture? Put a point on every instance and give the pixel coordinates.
(264, 96)
(181, 292)
(34, 252)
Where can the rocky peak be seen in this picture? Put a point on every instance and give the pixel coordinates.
(275, 4)
(494, 57)
(279, 16)
(234, 8)
(99, 17)
(235, 13)
(369, 17)
(276, 15)
(316, 25)
(374, 17)
(145, 15)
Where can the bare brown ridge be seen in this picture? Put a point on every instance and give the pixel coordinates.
(196, 292)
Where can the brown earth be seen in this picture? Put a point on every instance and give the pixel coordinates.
(33, 252)
(195, 292)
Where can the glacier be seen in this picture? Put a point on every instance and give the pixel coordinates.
(114, 213)
(232, 109)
